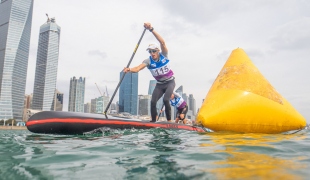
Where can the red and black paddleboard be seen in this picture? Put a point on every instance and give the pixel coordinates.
(59, 122)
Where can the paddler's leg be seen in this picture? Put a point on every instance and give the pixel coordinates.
(177, 120)
(169, 90)
(182, 117)
(183, 114)
(157, 93)
(177, 115)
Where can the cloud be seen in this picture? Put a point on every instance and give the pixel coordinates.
(109, 82)
(223, 55)
(293, 35)
(208, 12)
(255, 53)
(98, 53)
(200, 12)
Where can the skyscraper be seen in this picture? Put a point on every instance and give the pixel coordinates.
(192, 104)
(27, 105)
(145, 105)
(76, 95)
(185, 97)
(28, 101)
(87, 107)
(117, 106)
(58, 101)
(128, 93)
(152, 86)
(46, 67)
(113, 108)
(101, 104)
(180, 90)
(15, 28)
(93, 105)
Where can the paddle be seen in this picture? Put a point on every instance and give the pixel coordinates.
(133, 54)
(160, 112)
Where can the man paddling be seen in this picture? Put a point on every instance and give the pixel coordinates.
(159, 66)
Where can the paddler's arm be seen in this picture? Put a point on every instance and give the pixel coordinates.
(161, 41)
(135, 69)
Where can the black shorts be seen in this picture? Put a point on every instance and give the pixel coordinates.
(182, 111)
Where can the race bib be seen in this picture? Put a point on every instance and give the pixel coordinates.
(161, 70)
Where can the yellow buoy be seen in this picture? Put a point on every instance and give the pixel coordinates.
(242, 100)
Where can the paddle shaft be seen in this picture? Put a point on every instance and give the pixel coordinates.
(160, 112)
(133, 54)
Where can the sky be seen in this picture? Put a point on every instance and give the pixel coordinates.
(98, 38)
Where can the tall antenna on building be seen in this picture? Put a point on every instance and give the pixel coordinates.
(48, 18)
(106, 90)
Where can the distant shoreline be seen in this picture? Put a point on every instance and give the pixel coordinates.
(13, 128)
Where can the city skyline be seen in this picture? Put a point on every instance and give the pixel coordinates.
(46, 66)
(199, 39)
(102, 84)
(15, 32)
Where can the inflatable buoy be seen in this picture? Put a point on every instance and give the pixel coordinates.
(242, 100)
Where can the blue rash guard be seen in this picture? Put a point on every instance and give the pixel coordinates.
(178, 101)
(161, 69)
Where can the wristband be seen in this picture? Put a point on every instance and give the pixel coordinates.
(151, 30)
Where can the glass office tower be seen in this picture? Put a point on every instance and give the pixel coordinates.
(46, 67)
(58, 101)
(128, 93)
(76, 95)
(152, 86)
(180, 90)
(185, 97)
(192, 104)
(15, 29)
(144, 105)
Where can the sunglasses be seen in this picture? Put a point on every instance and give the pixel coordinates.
(152, 51)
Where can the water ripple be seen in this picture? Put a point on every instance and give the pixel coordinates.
(153, 154)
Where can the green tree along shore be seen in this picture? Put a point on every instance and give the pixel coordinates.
(9, 121)
(10, 124)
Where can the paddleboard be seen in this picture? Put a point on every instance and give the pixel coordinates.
(59, 122)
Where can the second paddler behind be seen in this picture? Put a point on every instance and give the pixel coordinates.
(177, 101)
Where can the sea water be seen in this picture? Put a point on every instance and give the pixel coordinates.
(154, 154)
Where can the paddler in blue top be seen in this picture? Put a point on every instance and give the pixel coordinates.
(159, 66)
(177, 101)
